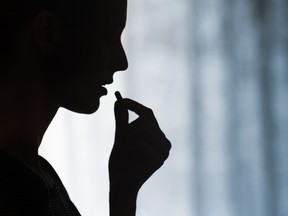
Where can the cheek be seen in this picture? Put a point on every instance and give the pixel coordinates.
(85, 49)
(73, 75)
(89, 57)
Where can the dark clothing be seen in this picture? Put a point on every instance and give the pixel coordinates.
(23, 192)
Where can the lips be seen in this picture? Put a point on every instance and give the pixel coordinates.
(107, 82)
(104, 90)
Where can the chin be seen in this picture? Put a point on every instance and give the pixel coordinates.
(83, 108)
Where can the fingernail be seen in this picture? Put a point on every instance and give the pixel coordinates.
(118, 95)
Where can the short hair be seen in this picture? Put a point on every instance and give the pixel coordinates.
(15, 13)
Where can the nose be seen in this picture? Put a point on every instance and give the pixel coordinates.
(120, 62)
(124, 61)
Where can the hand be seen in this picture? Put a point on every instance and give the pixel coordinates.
(140, 147)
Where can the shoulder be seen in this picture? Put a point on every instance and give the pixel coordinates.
(48, 168)
(22, 192)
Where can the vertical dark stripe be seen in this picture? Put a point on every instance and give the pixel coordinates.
(265, 8)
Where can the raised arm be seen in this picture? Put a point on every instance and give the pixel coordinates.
(139, 150)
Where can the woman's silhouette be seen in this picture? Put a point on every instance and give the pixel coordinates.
(61, 54)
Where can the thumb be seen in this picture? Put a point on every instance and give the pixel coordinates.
(121, 120)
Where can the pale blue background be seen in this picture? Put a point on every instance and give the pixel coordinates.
(216, 75)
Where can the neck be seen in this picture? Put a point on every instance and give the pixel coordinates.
(25, 116)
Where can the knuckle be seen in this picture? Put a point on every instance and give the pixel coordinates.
(169, 145)
(150, 111)
(165, 155)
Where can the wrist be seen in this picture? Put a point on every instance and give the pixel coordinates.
(122, 201)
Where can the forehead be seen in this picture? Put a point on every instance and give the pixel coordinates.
(106, 12)
(105, 16)
(114, 10)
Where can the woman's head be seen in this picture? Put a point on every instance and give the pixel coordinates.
(75, 45)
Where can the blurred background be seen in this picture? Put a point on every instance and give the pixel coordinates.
(216, 75)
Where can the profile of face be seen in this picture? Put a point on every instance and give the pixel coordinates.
(91, 52)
